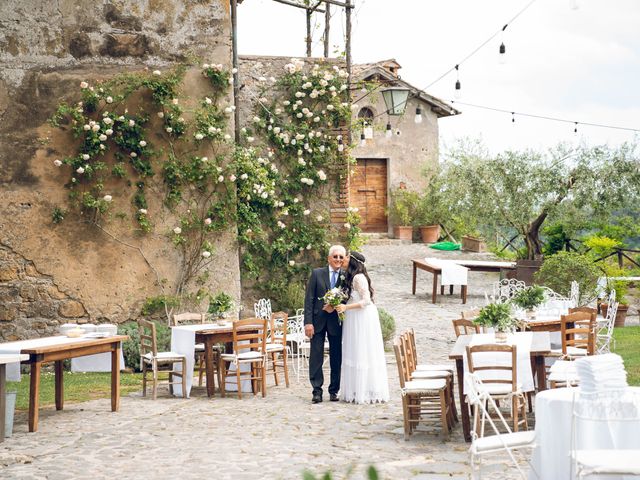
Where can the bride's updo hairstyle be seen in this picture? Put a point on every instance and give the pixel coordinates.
(356, 266)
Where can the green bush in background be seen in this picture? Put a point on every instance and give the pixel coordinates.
(131, 348)
(387, 324)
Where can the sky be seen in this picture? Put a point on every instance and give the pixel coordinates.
(581, 64)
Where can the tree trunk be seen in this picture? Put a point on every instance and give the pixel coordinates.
(532, 238)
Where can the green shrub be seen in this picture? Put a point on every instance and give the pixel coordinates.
(559, 270)
(286, 296)
(387, 324)
(131, 348)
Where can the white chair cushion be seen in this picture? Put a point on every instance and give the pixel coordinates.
(424, 386)
(199, 347)
(423, 374)
(448, 368)
(512, 440)
(620, 462)
(275, 347)
(164, 356)
(248, 355)
(496, 389)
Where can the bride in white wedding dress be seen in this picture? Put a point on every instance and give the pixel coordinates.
(364, 369)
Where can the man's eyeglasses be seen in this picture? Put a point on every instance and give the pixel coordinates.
(341, 257)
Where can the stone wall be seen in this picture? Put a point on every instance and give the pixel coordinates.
(50, 273)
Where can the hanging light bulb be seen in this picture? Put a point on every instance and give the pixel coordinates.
(513, 117)
(502, 50)
(363, 141)
(389, 132)
(575, 128)
(457, 92)
(418, 117)
(502, 59)
(340, 144)
(574, 5)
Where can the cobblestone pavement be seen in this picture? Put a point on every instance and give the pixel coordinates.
(275, 437)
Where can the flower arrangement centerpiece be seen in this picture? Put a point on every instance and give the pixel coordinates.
(335, 297)
(220, 305)
(497, 316)
(529, 298)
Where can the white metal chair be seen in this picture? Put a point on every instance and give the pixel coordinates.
(604, 335)
(505, 289)
(574, 296)
(479, 398)
(616, 415)
(262, 308)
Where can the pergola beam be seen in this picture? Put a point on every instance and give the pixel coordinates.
(293, 4)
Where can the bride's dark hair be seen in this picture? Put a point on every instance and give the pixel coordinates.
(356, 266)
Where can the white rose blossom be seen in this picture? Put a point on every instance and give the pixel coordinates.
(199, 136)
(133, 154)
(177, 230)
(306, 212)
(109, 100)
(204, 159)
(57, 163)
(207, 221)
(319, 218)
(347, 225)
(83, 85)
(292, 263)
(85, 156)
(321, 175)
(250, 139)
(87, 127)
(80, 170)
(221, 178)
(107, 120)
(169, 129)
(206, 254)
(160, 114)
(95, 128)
(232, 178)
(107, 198)
(157, 72)
(244, 176)
(143, 211)
(102, 137)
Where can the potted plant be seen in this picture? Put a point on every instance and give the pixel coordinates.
(621, 288)
(497, 316)
(529, 298)
(220, 305)
(559, 270)
(402, 209)
(473, 242)
(428, 216)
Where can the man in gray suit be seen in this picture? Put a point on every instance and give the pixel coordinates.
(322, 321)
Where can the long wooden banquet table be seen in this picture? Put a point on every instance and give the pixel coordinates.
(473, 265)
(540, 347)
(58, 349)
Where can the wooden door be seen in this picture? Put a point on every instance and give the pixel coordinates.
(369, 193)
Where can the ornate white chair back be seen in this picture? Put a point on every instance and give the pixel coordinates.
(262, 309)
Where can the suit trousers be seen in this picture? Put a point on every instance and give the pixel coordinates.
(316, 359)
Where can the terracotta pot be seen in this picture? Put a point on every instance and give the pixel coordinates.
(621, 315)
(473, 244)
(430, 233)
(403, 232)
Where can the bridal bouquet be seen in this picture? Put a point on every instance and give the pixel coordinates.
(335, 297)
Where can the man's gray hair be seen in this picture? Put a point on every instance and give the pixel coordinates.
(337, 249)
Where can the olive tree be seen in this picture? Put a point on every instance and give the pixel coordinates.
(520, 190)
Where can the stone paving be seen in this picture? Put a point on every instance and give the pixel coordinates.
(277, 437)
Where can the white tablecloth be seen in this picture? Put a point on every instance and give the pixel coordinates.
(183, 341)
(551, 456)
(522, 340)
(100, 362)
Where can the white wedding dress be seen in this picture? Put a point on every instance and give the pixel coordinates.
(364, 369)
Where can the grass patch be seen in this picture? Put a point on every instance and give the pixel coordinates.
(78, 387)
(628, 347)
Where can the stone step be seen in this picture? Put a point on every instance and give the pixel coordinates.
(383, 239)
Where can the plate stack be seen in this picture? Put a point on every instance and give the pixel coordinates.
(599, 373)
(108, 329)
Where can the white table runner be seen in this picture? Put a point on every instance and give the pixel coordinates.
(100, 362)
(452, 273)
(523, 360)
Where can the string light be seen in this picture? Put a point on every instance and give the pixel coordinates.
(457, 93)
(363, 141)
(418, 117)
(513, 117)
(389, 132)
(574, 4)
(544, 117)
(340, 144)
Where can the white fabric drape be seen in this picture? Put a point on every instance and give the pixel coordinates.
(452, 273)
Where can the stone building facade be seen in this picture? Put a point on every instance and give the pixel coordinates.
(50, 274)
(399, 161)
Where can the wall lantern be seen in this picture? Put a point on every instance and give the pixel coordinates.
(395, 99)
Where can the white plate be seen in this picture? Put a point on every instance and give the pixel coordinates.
(96, 335)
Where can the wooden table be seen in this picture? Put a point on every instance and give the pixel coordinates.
(62, 349)
(4, 359)
(211, 337)
(540, 347)
(473, 265)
